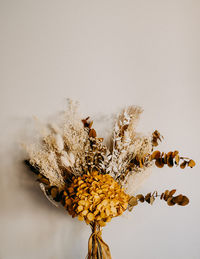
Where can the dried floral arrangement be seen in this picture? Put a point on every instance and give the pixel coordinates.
(94, 181)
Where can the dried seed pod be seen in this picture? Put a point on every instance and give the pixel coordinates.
(123, 129)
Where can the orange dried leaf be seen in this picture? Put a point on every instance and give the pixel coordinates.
(54, 192)
(176, 152)
(170, 153)
(191, 163)
(90, 216)
(90, 125)
(140, 163)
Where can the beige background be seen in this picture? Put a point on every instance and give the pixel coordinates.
(105, 54)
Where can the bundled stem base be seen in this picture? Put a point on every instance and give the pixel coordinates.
(97, 248)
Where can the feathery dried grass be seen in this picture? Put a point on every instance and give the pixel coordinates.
(67, 149)
(127, 143)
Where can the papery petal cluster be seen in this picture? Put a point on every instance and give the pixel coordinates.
(95, 197)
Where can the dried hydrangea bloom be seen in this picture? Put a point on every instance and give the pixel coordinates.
(95, 197)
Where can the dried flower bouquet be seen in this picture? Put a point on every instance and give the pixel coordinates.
(96, 182)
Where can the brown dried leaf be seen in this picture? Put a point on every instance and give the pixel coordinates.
(183, 164)
(54, 192)
(155, 155)
(178, 198)
(156, 135)
(152, 199)
(165, 158)
(140, 197)
(148, 197)
(166, 195)
(170, 162)
(159, 163)
(130, 208)
(124, 128)
(162, 196)
(171, 193)
(92, 133)
(140, 163)
(154, 142)
(177, 159)
(184, 201)
(133, 201)
(170, 201)
(85, 122)
(43, 179)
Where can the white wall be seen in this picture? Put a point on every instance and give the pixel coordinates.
(105, 54)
